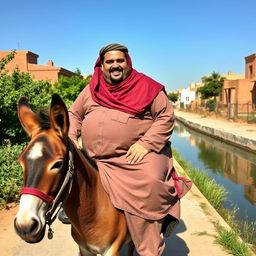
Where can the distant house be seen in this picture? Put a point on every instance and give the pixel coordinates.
(243, 90)
(26, 61)
(186, 96)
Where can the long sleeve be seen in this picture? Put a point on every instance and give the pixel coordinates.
(160, 132)
(76, 114)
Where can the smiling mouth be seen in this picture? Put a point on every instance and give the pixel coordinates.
(116, 73)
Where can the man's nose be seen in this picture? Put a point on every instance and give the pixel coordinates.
(115, 64)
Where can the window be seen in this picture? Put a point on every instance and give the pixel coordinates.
(250, 71)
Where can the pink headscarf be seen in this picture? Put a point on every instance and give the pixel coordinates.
(133, 95)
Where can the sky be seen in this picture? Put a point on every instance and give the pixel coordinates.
(175, 42)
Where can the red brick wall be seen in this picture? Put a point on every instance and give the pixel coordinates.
(27, 62)
(20, 60)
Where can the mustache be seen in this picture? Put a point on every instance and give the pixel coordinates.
(116, 69)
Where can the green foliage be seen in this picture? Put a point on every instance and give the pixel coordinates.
(69, 87)
(230, 240)
(12, 87)
(10, 172)
(5, 60)
(215, 193)
(212, 86)
(18, 84)
(211, 105)
(248, 232)
(172, 96)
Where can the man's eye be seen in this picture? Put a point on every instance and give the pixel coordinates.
(109, 61)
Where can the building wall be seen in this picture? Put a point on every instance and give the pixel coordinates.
(250, 67)
(231, 76)
(244, 91)
(240, 91)
(186, 96)
(50, 75)
(20, 61)
(27, 62)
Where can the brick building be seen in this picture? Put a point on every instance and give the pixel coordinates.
(26, 61)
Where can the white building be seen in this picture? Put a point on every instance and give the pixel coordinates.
(186, 96)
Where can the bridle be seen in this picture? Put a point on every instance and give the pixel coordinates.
(57, 202)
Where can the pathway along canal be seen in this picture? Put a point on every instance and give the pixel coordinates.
(231, 167)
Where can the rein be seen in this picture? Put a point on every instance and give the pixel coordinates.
(55, 203)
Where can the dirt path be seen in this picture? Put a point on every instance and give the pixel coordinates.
(8, 238)
(12, 245)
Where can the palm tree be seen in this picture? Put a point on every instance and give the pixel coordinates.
(212, 86)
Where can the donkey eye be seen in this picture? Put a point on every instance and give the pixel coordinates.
(57, 165)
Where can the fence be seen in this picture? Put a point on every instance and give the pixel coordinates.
(245, 112)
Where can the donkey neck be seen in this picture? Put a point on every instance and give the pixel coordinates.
(84, 167)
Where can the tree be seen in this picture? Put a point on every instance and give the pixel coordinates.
(69, 87)
(12, 87)
(211, 86)
(172, 96)
(17, 84)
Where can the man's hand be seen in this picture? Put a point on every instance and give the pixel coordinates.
(136, 153)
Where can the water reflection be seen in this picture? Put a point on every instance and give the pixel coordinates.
(231, 167)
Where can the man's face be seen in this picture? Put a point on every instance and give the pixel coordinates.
(115, 67)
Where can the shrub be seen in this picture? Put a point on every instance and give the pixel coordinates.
(10, 172)
(12, 87)
(17, 84)
(211, 105)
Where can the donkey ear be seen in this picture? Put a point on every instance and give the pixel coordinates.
(27, 117)
(59, 115)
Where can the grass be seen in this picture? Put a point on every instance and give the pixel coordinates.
(216, 195)
(203, 233)
(230, 240)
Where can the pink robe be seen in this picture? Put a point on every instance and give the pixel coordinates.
(145, 189)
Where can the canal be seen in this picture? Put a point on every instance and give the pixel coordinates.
(231, 167)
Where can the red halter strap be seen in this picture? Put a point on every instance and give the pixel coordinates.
(38, 193)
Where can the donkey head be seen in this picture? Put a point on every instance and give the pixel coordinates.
(44, 163)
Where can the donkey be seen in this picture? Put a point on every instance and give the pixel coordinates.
(55, 172)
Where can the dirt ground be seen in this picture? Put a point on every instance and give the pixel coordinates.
(8, 238)
(12, 245)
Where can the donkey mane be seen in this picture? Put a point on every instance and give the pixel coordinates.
(45, 123)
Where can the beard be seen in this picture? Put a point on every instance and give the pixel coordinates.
(119, 78)
(116, 80)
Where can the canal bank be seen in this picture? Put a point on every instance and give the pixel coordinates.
(241, 135)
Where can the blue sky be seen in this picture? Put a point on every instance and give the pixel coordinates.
(175, 42)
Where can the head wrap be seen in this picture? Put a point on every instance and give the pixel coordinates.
(133, 95)
(112, 47)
